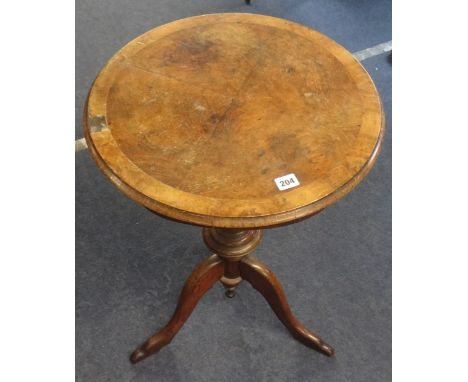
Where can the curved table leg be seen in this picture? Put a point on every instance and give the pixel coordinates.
(262, 279)
(199, 282)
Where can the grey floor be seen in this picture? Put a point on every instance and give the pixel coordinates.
(130, 264)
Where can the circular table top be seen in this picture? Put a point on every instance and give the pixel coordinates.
(197, 118)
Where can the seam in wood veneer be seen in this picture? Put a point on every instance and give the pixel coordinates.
(376, 50)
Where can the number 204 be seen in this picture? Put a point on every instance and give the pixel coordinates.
(287, 182)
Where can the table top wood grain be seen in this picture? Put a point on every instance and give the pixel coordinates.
(196, 119)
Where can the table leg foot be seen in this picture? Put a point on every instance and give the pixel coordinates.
(200, 281)
(263, 279)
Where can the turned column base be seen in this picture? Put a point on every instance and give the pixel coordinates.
(230, 264)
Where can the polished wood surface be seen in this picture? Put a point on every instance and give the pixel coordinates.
(199, 282)
(195, 119)
(231, 263)
(264, 280)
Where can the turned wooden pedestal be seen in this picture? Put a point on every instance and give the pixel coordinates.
(230, 263)
(236, 122)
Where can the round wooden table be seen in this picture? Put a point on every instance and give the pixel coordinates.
(234, 122)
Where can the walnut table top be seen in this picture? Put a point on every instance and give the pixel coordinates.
(196, 119)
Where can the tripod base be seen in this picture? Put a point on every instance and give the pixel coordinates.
(230, 263)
